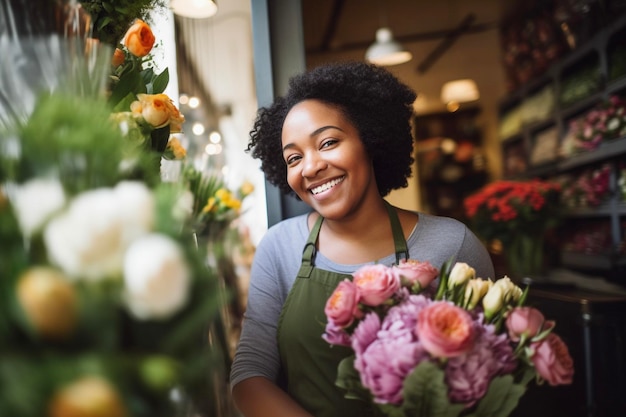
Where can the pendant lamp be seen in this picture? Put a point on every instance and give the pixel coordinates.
(195, 9)
(459, 91)
(386, 51)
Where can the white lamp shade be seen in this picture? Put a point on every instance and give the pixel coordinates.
(459, 91)
(195, 9)
(386, 51)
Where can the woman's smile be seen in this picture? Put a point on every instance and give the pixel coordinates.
(326, 186)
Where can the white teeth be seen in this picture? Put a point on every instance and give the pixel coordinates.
(327, 186)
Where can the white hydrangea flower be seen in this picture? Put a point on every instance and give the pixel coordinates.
(89, 239)
(35, 201)
(156, 277)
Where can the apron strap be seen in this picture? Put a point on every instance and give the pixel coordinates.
(398, 234)
(308, 254)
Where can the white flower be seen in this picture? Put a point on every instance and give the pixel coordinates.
(460, 274)
(156, 277)
(475, 291)
(35, 201)
(183, 209)
(88, 240)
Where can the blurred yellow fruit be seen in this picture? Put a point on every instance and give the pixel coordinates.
(90, 396)
(49, 302)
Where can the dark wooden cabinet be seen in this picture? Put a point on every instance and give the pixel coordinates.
(594, 327)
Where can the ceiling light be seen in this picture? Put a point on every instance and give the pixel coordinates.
(195, 9)
(459, 91)
(386, 51)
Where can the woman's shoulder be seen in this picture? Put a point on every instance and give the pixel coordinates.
(436, 221)
(293, 228)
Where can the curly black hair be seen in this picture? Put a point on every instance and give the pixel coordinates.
(372, 98)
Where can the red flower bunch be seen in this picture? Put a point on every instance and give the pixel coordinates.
(502, 208)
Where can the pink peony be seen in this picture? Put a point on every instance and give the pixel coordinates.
(393, 350)
(552, 360)
(468, 375)
(526, 321)
(343, 305)
(445, 330)
(415, 272)
(336, 335)
(376, 283)
(365, 333)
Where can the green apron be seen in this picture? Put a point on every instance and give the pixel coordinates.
(309, 363)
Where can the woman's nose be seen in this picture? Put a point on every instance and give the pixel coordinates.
(313, 165)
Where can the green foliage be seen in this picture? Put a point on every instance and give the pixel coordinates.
(501, 398)
(111, 18)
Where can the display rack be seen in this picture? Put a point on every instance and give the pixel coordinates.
(576, 84)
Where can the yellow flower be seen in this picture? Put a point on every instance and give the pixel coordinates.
(246, 189)
(210, 206)
(49, 301)
(90, 396)
(158, 110)
(176, 148)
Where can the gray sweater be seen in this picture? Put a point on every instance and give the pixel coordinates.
(276, 263)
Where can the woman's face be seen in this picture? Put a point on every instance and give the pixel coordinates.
(327, 165)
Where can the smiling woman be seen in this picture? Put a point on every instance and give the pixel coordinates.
(340, 140)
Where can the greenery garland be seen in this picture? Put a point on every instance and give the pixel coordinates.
(112, 18)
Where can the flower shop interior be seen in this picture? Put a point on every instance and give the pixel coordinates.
(521, 108)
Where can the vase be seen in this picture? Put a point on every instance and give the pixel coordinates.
(524, 254)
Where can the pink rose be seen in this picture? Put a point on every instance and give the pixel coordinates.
(552, 360)
(526, 321)
(445, 330)
(343, 305)
(415, 272)
(376, 283)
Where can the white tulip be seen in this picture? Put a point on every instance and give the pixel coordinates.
(156, 277)
(475, 291)
(460, 274)
(35, 201)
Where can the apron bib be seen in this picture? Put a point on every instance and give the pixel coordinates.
(308, 362)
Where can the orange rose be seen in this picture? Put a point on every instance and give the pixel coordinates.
(139, 39)
(118, 57)
(158, 110)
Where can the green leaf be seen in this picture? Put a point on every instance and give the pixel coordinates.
(108, 7)
(348, 378)
(501, 398)
(129, 82)
(426, 393)
(103, 22)
(160, 82)
(124, 104)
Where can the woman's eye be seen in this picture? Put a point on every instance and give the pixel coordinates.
(292, 159)
(328, 143)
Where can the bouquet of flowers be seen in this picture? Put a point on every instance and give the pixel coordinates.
(464, 346)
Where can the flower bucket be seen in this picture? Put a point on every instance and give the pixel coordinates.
(524, 255)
